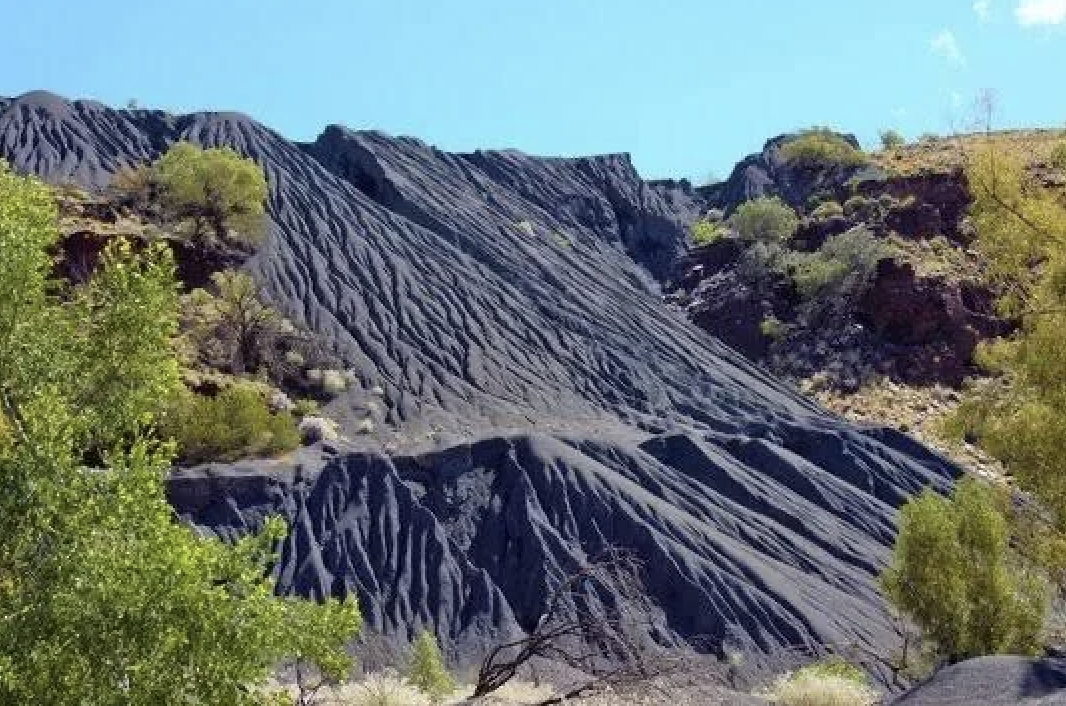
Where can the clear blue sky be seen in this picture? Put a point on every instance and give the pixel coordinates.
(686, 86)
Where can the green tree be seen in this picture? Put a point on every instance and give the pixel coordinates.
(213, 190)
(427, 672)
(231, 327)
(766, 219)
(104, 598)
(1020, 416)
(952, 573)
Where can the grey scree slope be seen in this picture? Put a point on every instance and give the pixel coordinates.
(507, 308)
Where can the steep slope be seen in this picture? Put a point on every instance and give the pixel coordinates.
(744, 542)
(507, 308)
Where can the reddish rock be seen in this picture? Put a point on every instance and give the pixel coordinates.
(941, 321)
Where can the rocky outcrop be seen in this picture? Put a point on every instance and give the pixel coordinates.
(504, 311)
(937, 321)
(993, 681)
(768, 173)
(928, 204)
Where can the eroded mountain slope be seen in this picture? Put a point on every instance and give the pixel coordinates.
(505, 309)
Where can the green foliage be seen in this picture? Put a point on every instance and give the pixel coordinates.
(773, 328)
(891, 139)
(427, 672)
(126, 323)
(821, 147)
(951, 573)
(827, 210)
(766, 219)
(230, 327)
(1021, 417)
(233, 424)
(860, 208)
(833, 277)
(305, 408)
(104, 598)
(818, 277)
(705, 232)
(214, 190)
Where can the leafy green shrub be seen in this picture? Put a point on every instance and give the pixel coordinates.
(818, 277)
(773, 328)
(766, 219)
(827, 210)
(705, 232)
(427, 672)
(305, 407)
(821, 147)
(952, 574)
(214, 191)
(834, 276)
(891, 139)
(235, 423)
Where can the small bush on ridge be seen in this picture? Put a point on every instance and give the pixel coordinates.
(821, 147)
(891, 139)
(766, 219)
(705, 232)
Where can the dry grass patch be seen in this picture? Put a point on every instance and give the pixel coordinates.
(946, 154)
(918, 411)
(815, 688)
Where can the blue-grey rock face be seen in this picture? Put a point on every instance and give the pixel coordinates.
(508, 307)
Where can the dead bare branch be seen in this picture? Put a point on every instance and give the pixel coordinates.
(593, 624)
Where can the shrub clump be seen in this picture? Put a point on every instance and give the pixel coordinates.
(427, 672)
(830, 683)
(891, 139)
(773, 328)
(953, 575)
(837, 273)
(821, 147)
(705, 231)
(235, 423)
(765, 219)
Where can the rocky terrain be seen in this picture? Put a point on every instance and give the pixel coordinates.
(527, 397)
(925, 308)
